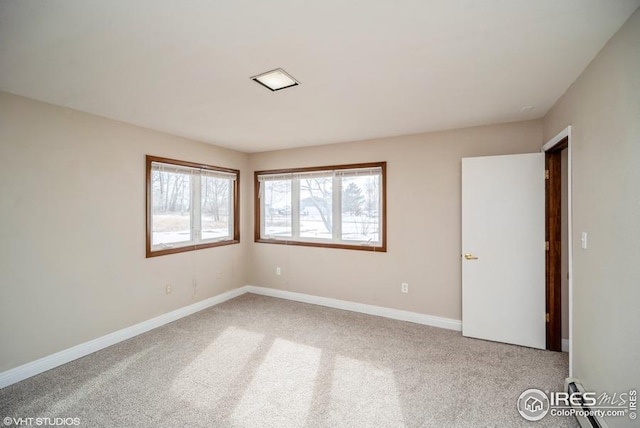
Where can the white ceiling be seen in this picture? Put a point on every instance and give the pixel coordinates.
(368, 68)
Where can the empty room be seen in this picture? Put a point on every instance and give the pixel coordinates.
(319, 213)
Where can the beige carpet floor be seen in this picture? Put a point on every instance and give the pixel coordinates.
(257, 361)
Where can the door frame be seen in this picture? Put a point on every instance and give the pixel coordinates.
(553, 196)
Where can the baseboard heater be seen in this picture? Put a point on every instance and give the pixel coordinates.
(573, 386)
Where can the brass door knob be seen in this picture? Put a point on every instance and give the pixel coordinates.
(470, 257)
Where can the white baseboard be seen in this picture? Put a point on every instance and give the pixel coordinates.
(49, 362)
(565, 345)
(395, 314)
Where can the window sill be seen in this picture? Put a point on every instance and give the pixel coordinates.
(359, 247)
(183, 249)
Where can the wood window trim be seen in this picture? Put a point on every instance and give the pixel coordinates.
(257, 207)
(236, 206)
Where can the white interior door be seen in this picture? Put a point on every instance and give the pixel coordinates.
(503, 246)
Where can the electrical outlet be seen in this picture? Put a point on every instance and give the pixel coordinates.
(278, 271)
(404, 287)
(167, 289)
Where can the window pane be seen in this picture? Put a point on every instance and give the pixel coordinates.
(338, 206)
(216, 219)
(277, 208)
(171, 207)
(361, 208)
(316, 207)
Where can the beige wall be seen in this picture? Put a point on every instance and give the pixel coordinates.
(72, 249)
(72, 230)
(423, 175)
(603, 107)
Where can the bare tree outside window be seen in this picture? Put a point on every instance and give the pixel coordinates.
(316, 207)
(341, 206)
(171, 207)
(277, 208)
(189, 206)
(216, 208)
